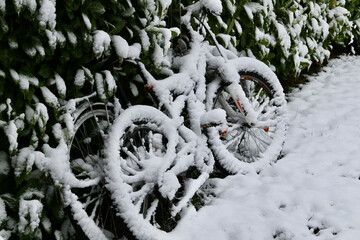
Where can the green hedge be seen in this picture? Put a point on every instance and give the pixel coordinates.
(288, 35)
(50, 53)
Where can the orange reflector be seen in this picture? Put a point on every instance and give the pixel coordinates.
(246, 78)
(223, 133)
(148, 87)
(238, 103)
(266, 129)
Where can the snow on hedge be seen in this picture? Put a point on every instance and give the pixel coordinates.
(47, 13)
(296, 27)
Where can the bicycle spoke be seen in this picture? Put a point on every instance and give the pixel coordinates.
(128, 169)
(106, 216)
(258, 94)
(134, 148)
(267, 143)
(150, 139)
(258, 149)
(151, 210)
(133, 158)
(97, 204)
(235, 139)
(262, 106)
(84, 133)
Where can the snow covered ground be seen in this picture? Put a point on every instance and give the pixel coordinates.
(313, 192)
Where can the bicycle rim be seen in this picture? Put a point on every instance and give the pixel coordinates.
(243, 142)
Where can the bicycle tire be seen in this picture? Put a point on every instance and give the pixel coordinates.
(141, 152)
(246, 148)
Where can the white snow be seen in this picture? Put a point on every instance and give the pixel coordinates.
(20, 4)
(285, 40)
(88, 75)
(238, 27)
(40, 49)
(313, 192)
(134, 51)
(79, 79)
(9, 107)
(69, 123)
(58, 134)
(260, 35)
(2, 6)
(71, 37)
(47, 14)
(110, 82)
(29, 114)
(29, 214)
(49, 97)
(214, 6)
(56, 162)
(23, 82)
(86, 21)
(121, 46)
(4, 166)
(248, 12)
(12, 135)
(100, 88)
(157, 55)
(4, 234)
(145, 40)
(60, 37)
(213, 116)
(14, 75)
(46, 223)
(338, 12)
(311, 43)
(60, 85)
(31, 5)
(133, 89)
(23, 161)
(3, 214)
(52, 36)
(101, 43)
(33, 80)
(41, 115)
(87, 224)
(123, 49)
(170, 185)
(31, 51)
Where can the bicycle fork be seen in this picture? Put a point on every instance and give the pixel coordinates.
(247, 112)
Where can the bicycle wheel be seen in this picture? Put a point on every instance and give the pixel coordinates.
(259, 143)
(141, 150)
(91, 211)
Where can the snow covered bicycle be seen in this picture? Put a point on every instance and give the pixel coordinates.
(144, 164)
